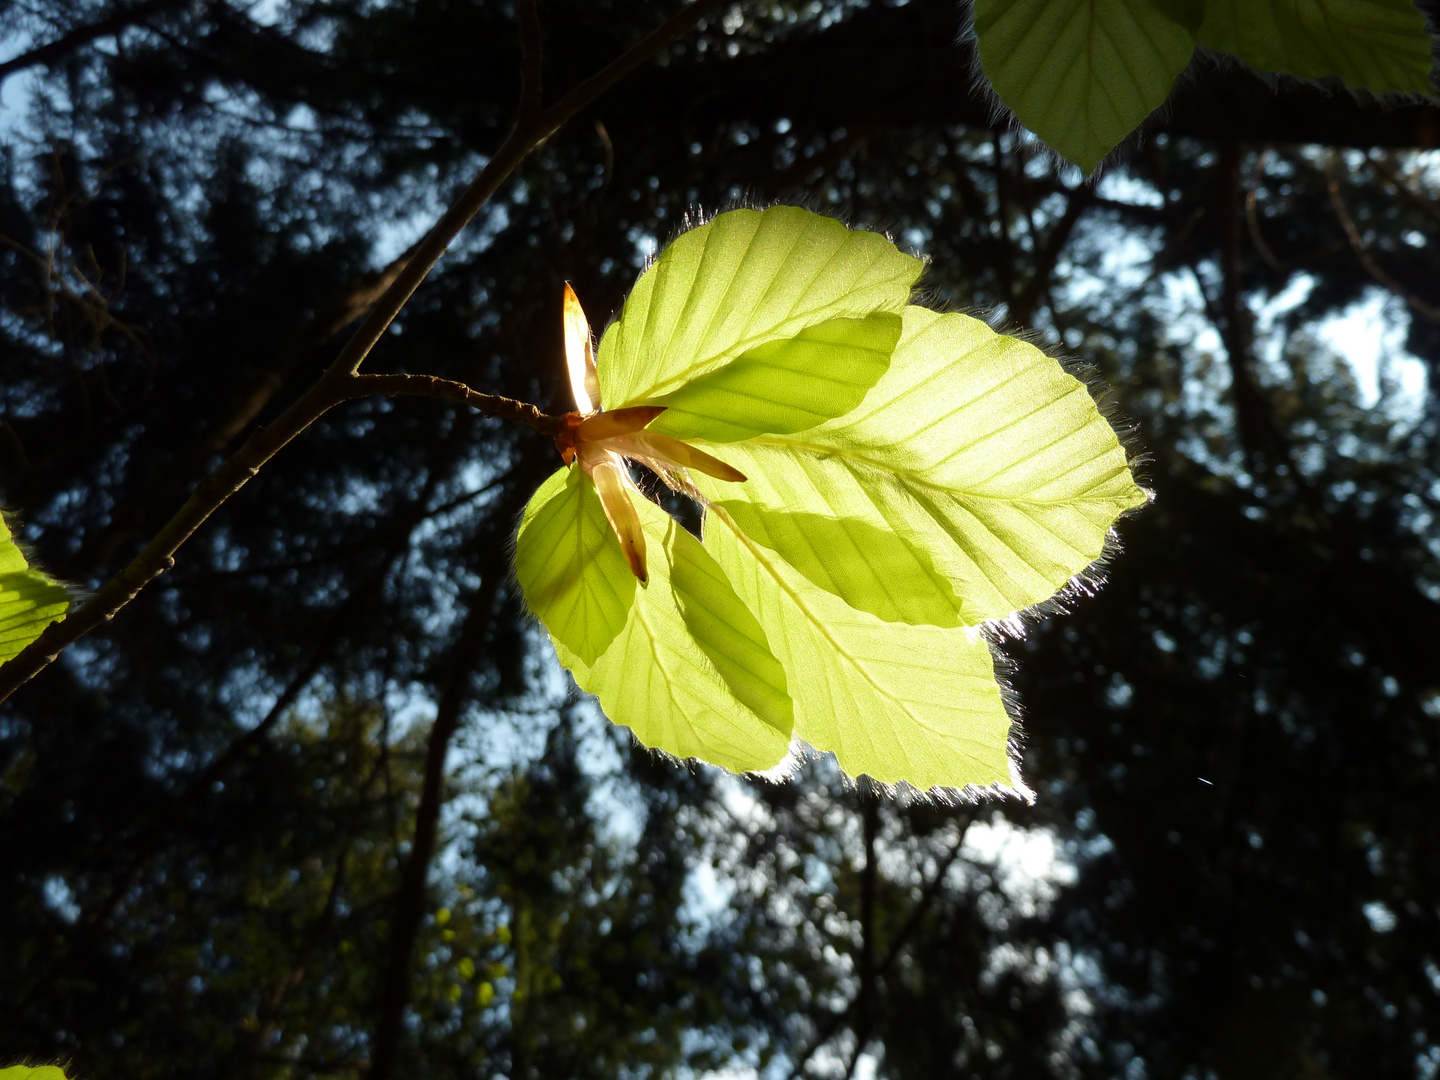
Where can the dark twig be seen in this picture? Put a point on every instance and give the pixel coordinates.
(530, 58)
(1362, 253)
(517, 412)
(50, 52)
(409, 907)
(1429, 206)
(836, 1020)
(1252, 215)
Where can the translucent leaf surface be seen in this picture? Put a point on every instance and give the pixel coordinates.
(570, 565)
(29, 600)
(870, 568)
(1083, 74)
(787, 385)
(975, 449)
(32, 1072)
(917, 704)
(1380, 45)
(745, 278)
(692, 672)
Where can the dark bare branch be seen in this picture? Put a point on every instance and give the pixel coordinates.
(339, 381)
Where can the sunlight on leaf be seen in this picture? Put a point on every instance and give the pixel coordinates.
(29, 600)
(976, 449)
(896, 702)
(745, 278)
(692, 672)
(888, 480)
(571, 567)
(785, 386)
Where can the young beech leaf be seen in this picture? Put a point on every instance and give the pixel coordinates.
(29, 601)
(744, 278)
(870, 568)
(692, 672)
(1083, 74)
(1379, 45)
(784, 386)
(975, 449)
(888, 479)
(917, 704)
(571, 567)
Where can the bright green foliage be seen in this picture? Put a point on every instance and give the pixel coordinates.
(869, 567)
(1379, 45)
(897, 702)
(572, 570)
(32, 1072)
(1083, 74)
(29, 601)
(909, 477)
(739, 281)
(784, 386)
(692, 672)
(976, 449)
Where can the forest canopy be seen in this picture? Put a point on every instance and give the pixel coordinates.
(321, 802)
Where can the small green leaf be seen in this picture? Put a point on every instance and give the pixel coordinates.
(974, 448)
(741, 280)
(29, 600)
(32, 1072)
(570, 565)
(692, 672)
(871, 569)
(1083, 74)
(784, 386)
(917, 704)
(1380, 45)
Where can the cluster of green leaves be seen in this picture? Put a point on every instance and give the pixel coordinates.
(911, 476)
(1083, 74)
(29, 600)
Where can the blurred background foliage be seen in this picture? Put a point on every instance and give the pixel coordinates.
(321, 803)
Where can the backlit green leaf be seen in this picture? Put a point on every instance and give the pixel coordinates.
(1380, 45)
(1083, 74)
(917, 704)
(570, 565)
(741, 280)
(29, 600)
(692, 672)
(32, 1072)
(870, 568)
(976, 449)
(784, 386)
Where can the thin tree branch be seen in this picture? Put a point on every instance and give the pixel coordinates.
(1253, 422)
(927, 897)
(338, 382)
(1429, 206)
(409, 907)
(128, 520)
(1022, 308)
(1357, 244)
(1252, 215)
(81, 36)
(517, 412)
(530, 57)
